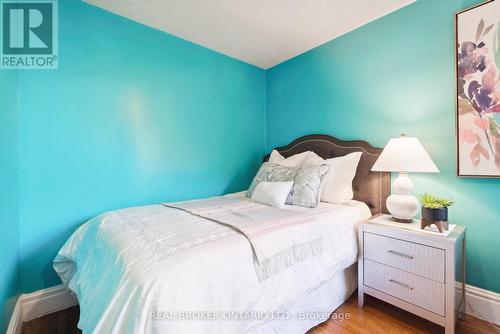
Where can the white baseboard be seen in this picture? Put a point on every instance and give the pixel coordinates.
(46, 301)
(39, 303)
(480, 303)
(16, 321)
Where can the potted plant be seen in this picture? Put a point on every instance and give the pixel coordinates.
(435, 208)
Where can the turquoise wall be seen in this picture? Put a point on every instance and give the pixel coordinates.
(394, 75)
(9, 195)
(136, 116)
(132, 116)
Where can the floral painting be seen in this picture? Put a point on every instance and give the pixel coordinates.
(478, 90)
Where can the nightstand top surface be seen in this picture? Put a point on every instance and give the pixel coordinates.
(414, 228)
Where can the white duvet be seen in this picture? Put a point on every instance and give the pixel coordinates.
(154, 269)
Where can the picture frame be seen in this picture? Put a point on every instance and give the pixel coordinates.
(477, 66)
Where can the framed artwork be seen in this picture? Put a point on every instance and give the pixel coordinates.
(477, 42)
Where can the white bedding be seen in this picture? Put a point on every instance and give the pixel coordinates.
(147, 269)
(317, 306)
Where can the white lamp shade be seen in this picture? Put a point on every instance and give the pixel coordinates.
(404, 154)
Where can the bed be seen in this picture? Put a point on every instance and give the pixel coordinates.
(166, 268)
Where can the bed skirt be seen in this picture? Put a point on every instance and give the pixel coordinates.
(312, 308)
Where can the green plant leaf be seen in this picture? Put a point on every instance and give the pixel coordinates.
(464, 107)
(433, 202)
(494, 128)
(479, 30)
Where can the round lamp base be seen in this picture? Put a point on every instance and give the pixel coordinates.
(402, 205)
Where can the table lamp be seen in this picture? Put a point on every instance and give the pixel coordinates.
(403, 155)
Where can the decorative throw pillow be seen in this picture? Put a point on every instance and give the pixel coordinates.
(307, 185)
(270, 172)
(272, 193)
(337, 185)
(307, 182)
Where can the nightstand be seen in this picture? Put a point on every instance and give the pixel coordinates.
(421, 272)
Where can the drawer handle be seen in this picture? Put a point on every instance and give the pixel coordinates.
(406, 286)
(406, 256)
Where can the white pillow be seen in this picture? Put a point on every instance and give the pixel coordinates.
(272, 193)
(304, 159)
(275, 157)
(337, 184)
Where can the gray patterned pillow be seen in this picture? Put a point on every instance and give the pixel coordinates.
(306, 182)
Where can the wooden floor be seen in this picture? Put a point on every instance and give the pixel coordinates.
(375, 317)
(62, 322)
(379, 317)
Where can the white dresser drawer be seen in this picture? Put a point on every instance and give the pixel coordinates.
(418, 259)
(417, 290)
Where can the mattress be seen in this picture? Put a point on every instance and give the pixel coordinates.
(153, 269)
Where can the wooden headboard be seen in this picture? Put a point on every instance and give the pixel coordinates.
(373, 188)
